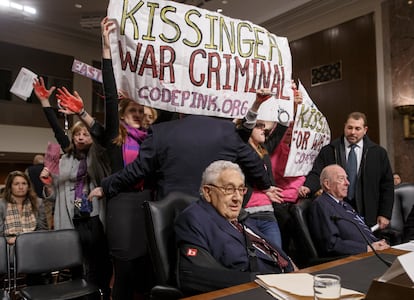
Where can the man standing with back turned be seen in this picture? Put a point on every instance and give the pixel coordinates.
(371, 189)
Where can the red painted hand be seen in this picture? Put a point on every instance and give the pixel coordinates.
(40, 89)
(72, 102)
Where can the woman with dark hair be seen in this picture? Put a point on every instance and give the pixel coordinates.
(20, 208)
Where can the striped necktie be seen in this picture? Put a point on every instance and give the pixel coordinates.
(263, 246)
(359, 221)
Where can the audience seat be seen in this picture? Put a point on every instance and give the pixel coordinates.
(4, 270)
(160, 217)
(403, 204)
(47, 251)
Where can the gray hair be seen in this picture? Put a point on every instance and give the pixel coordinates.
(213, 171)
(326, 174)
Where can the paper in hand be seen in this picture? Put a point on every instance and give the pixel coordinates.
(52, 157)
(23, 85)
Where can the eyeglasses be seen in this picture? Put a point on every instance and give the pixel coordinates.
(230, 189)
(260, 125)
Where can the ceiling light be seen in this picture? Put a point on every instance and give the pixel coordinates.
(29, 10)
(16, 5)
(5, 3)
(78, 5)
(219, 10)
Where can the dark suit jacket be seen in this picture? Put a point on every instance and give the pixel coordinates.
(334, 237)
(201, 226)
(375, 186)
(176, 153)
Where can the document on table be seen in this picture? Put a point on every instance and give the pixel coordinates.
(284, 286)
(409, 246)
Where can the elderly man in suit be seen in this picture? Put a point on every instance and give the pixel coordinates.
(220, 247)
(334, 224)
(371, 189)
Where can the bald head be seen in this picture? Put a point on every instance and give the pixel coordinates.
(334, 181)
(38, 159)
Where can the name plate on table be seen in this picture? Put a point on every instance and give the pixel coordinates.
(397, 282)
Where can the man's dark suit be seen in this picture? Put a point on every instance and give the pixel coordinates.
(375, 185)
(201, 226)
(334, 237)
(176, 153)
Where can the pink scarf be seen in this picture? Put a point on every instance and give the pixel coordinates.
(130, 148)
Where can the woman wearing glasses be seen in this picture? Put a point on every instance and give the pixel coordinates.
(260, 207)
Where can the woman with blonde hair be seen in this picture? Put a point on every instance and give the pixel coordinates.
(81, 168)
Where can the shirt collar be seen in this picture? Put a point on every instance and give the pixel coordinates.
(360, 144)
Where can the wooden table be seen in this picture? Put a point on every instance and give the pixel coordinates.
(251, 285)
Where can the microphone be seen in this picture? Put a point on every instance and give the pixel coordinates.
(336, 218)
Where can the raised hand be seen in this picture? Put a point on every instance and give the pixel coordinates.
(107, 26)
(41, 92)
(69, 103)
(45, 176)
(263, 94)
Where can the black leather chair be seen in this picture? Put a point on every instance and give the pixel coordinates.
(403, 204)
(160, 216)
(4, 269)
(304, 252)
(47, 251)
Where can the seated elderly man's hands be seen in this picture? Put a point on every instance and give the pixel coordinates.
(379, 245)
(274, 194)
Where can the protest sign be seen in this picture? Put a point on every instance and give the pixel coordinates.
(310, 133)
(23, 85)
(182, 58)
(86, 70)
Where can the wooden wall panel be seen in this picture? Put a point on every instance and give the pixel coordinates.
(56, 66)
(352, 43)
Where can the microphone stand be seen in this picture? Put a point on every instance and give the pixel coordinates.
(336, 218)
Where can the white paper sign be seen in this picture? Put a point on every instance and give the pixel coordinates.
(23, 85)
(310, 133)
(182, 58)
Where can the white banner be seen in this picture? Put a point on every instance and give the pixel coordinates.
(186, 59)
(310, 133)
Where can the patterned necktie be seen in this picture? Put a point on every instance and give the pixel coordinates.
(262, 245)
(359, 221)
(351, 170)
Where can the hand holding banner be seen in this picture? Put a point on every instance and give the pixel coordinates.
(310, 133)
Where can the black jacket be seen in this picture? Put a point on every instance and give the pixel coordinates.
(375, 188)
